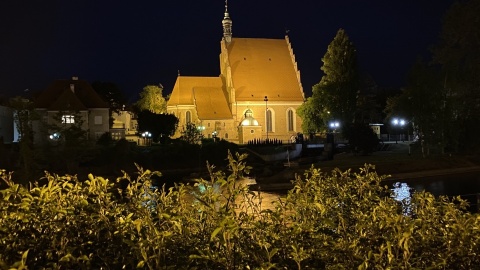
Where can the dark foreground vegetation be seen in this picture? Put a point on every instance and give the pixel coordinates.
(335, 220)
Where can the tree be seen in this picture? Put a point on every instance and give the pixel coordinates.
(68, 140)
(458, 54)
(427, 106)
(371, 100)
(161, 126)
(110, 93)
(151, 99)
(23, 117)
(334, 97)
(191, 134)
(362, 138)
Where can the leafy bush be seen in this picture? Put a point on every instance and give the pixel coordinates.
(341, 220)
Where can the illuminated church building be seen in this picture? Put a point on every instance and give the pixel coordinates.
(255, 96)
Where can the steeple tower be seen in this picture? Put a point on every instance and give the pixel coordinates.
(227, 25)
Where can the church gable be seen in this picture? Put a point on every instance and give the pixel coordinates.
(263, 67)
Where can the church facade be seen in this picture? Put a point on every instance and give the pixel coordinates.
(255, 97)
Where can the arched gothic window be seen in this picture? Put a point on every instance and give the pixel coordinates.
(188, 117)
(269, 121)
(290, 122)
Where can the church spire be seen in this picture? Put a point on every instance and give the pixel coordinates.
(227, 25)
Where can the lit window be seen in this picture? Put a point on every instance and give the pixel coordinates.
(68, 119)
(116, 136)
(98, 120)
(290, 120)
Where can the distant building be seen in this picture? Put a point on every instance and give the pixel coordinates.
(259, 81)
(66, 102)
(124, 126)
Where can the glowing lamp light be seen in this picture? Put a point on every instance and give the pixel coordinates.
(398, 122)
(55, 136)
(334, 125)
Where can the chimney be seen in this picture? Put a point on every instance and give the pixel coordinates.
(74, 78)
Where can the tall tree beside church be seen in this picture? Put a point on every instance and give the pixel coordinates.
(151, 99)
(335, 96)
(458, 53)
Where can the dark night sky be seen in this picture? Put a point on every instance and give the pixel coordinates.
(146, 42)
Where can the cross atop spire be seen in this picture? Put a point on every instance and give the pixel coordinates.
(227, 24)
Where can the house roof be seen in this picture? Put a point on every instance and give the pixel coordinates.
(264, 67)
(60, 96)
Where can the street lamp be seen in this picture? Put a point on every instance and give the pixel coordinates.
(398, 122)
(329, 146)
(146, 136)
(334, 125)
(214, 135)
(55, 136)
(266, 114)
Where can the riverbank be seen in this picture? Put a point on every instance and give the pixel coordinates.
(396, 162)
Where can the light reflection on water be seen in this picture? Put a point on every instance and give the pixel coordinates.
(401, 192)
(465, 185)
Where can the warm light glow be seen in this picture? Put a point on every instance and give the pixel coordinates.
(68, 119)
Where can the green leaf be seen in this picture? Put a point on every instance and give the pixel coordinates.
(140, 264)
(215, 232)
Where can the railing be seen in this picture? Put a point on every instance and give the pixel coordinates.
(396, 137)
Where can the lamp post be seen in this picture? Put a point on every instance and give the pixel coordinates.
(329, 147)
(266, 114)
(214, 135)
(146, 136)
(334, 125)
(201, 128)
(398, 122)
